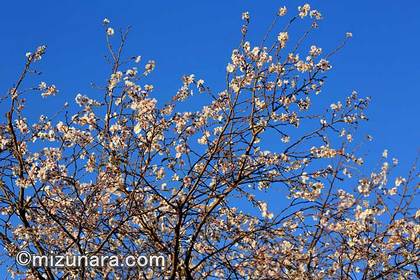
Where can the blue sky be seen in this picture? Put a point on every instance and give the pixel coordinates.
(197, 37)
(186, 37)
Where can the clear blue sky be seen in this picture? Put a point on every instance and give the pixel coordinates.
(185, 37)
(197, 37)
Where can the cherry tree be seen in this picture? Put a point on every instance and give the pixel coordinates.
(257, 184)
